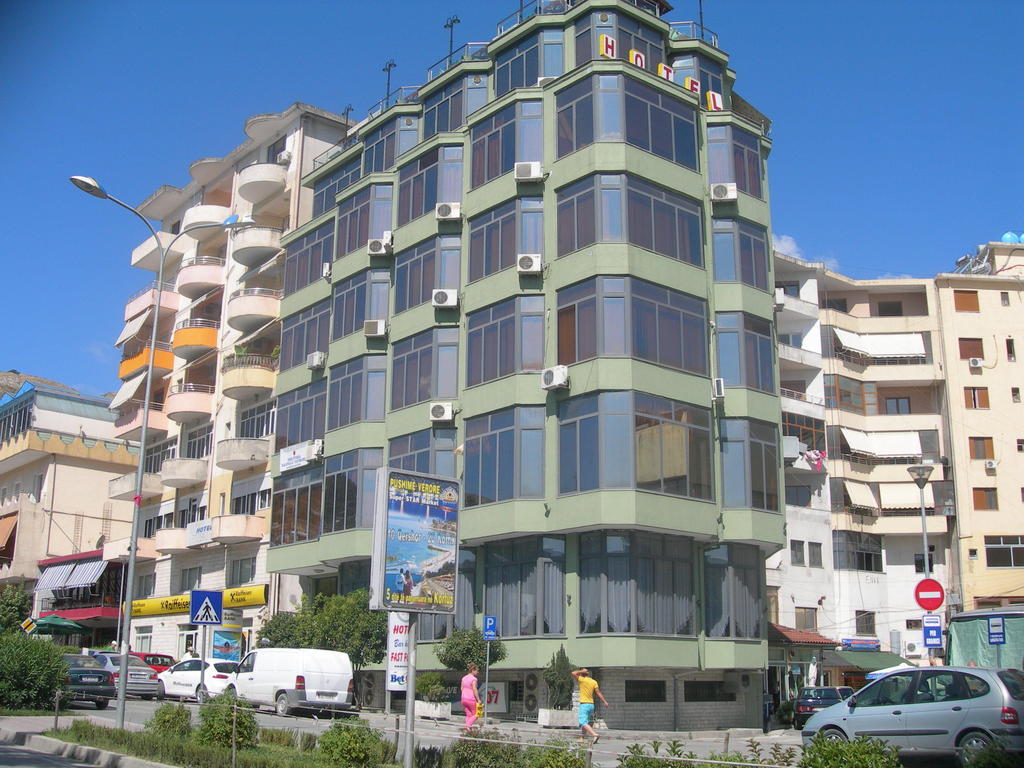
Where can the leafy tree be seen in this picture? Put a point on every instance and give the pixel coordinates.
(31, 670)
(346, 623)
(286, 630)
(463, 646)
(15, 607)
(558, 677)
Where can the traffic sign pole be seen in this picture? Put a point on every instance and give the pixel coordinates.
(490, 635)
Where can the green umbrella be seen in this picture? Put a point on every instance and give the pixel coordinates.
(57, 625)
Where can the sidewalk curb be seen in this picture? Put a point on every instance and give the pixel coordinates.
(77, 752)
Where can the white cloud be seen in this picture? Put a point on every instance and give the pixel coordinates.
(893, 276)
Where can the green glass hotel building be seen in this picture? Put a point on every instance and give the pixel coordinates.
(547, 271)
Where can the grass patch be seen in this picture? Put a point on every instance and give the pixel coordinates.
(37, 712)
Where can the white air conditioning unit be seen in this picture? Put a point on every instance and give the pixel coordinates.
(325, 271)
(780, 299)
(374, 329)
(542, 81)
(556, 377)
(380, 246)
(529, 264)
(911, 649)
(530, 171)
(718, 389)
(315, 449)
(991, 464)
(284, 158)
(448, 211)
(976, 362)
(316, 360)
(445, 297)
(442, 412)
(723, 192)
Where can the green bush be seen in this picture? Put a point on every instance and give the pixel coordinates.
(430, 687)
(862, 752)
(31, 671)
(277, 736)
(556, 753)
(429, 757)
(992, 756)
(171, 720)
(495, 752)
(355, 744)
(784, 714)
(307, 741)
(215, 723)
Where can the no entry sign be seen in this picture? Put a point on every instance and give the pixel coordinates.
(929, 594)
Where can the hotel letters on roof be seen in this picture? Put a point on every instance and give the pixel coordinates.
(415, 543)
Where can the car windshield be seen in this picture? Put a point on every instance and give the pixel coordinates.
(82, 661)
(225, 666)
(1014, 682)
(820, 693)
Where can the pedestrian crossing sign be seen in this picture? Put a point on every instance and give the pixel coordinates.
(206, 607)
(28, 625)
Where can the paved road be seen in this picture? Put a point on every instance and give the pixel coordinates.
(17, 757)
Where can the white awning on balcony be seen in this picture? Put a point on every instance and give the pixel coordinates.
(127, 391)
(7, 525)
(86, 574)
(904, 496)
(882, 344)
(883, 444)
(132, 327)
(54, 577)
(859, 442)
(860, 494)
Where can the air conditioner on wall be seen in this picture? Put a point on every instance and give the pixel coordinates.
(380, 246)
(723, 192)
(991, 464)
(976, 362)
(284, 158)
(448, 211)
(718, 389)
(325, 271)
(529, 264)
(373, 329)
(556, 377)
(542, 81)
(316, 360)
(445, 298)
(530, 171)
(442, 412)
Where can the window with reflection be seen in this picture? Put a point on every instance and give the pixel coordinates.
(305, 332)
(434, 263)
(434, 177)
(356, 391)
(437, 626)
(746, 352)
(301, 414)
(740, 252)
(750, 464)
(445, 110)
(504, 339)
(525, 585)
(668, 449)
(305, 258)
(709, 73)
(733, 591)
(350, 481)
(362, 297)
(425, 367)
(365, 215)
(498, 236)
(734, 155)
(636, 583)
(326, 191)
(621, 208)
(512, 135)
(504, 456)
(383, 145)
(520, 66)
(629, 34)
(629, 317)
(295, 514)
(431, 451)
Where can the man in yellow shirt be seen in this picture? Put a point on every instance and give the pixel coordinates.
(588, 689)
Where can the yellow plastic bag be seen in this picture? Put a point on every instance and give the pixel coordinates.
(479, 709)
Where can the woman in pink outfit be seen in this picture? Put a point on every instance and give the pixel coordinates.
(470, 696)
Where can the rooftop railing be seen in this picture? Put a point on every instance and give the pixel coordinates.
(164, 287)
(406, 94)
(466, 52)
(528, 10)
(332, 152)
(691, 30)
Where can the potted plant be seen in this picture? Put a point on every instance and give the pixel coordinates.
(432, 699)
(558, 678)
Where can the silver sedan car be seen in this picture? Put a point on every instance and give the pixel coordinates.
(940, 709)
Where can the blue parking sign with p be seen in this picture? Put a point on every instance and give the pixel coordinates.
(490, 627)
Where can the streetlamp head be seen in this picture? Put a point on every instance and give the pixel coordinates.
(921, 473)
(89, 185)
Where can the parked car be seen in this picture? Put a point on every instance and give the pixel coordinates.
(295, 678)
(141, 677)
(816, 698)
(88, 681)
(158, 661)
(182, 680)
(938, 709)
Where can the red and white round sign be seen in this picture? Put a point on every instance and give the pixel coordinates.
(929, 594)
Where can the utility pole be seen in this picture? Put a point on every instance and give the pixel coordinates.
(450, 26)
(388, 66)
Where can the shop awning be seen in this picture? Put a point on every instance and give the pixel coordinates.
(883, 444)
(7, 528)
(54, 576)
(882, 344)
(127, 391)
(904, 496)
(86, 574)
(861, 494)
(132, 327)
(869, 661)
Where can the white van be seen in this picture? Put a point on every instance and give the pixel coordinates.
(294, 678)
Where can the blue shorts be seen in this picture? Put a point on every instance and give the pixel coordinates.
(586, 710)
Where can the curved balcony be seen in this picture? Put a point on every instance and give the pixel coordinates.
(238, 453)
(171, 541)
(205, 214)
(123, 488)
(147, 254)
(250, 308)
(234, 529)
(188, 402)
(199, 274)
(117, 550)
(181, 473)
(145, 298)
(193, 338)
(247, 375)
(128, 424)
(163, 361)
(259, 181)
(251, 246)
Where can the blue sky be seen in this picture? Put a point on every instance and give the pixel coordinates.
(897, 128)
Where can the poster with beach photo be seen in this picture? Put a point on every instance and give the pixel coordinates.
(416, 542)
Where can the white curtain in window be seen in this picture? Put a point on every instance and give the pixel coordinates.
(554, 598)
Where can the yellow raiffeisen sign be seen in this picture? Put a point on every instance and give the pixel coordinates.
(239, 597)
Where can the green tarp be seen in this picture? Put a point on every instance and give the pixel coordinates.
(968, 641)
(868, 661)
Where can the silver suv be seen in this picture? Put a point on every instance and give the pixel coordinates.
(932, 708)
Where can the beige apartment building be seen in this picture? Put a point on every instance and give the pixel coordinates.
(981, 315)
(207, 484)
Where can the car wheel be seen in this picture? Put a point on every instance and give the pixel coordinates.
(832, 734)
(161, 692)
(202, 695)
(101, 703)
(282, 704)
(971, 742)
(146, 697)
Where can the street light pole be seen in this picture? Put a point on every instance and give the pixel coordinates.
(450, 26)
(92, 187)
(388, 66)
(921, 473)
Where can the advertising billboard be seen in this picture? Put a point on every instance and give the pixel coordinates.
(416, 542)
